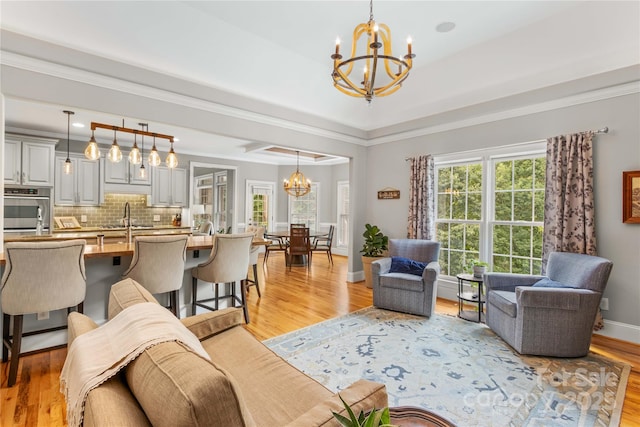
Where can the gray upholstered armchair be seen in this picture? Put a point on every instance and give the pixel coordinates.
(551, 320)
(408, 293)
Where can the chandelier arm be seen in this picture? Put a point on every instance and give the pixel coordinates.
(347, 91)
(348, 82)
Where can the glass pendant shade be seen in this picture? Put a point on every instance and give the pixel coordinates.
(154, 157)
(142, 172)
(172, 159)
(134, 155)
(92, 152)
(115, 155)
(68, 168)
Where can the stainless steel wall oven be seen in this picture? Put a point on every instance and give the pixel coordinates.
(27, 210)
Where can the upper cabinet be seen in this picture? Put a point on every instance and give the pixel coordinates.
(82, 186)
(169, 187)
(29, 161)
(124, 172)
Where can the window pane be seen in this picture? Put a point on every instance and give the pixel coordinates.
(457, 263)
(442, 234)
(503, 206)
(521, 241)
(501, 264)
(502, 239)
(523, 174)
(457, 236)
(444, 180)
(475, 178)
(503, 175)
(537, 242)
(540, 173)
(520, 265)
(522, 206)
(459, 178)
(474, 206)
(444, 206)
(472, 240)
(443, 260)
(459, 207)
(538, 211)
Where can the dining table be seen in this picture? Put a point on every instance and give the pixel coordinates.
(283, 235)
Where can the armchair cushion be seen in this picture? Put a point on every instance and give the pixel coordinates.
(548, 283)
(505, 301)
(406, 265)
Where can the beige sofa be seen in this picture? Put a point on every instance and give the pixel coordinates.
(245, 384)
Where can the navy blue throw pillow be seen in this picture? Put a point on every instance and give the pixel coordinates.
(548, 283)
(407, 266)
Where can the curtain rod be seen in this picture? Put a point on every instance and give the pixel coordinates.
(601, 130)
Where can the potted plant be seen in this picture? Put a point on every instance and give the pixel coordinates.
(374, 247)
(478, 268)
(375, 418)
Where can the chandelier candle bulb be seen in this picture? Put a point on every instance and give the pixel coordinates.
(409, 46)
(337, 46)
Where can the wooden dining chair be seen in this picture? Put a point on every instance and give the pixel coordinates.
(323, 243)
(299, 244)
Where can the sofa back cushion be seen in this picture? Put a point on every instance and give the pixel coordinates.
(173, 385)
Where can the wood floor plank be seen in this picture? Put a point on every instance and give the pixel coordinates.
(290, 301)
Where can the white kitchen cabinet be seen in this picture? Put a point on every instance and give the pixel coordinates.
(169, 186)
(82, 186)
(124, 172)
(29, 161)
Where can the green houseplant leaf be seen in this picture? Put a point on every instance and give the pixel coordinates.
(375, 242)
(376, 418)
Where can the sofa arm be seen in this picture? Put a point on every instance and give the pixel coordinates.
(78, 324)
(362, 395)
(508, 281)
(208, 324)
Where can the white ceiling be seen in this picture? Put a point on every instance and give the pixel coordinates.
(278, 52)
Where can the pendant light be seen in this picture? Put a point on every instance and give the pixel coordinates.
(68, 169)
(172, 159)
(297, 185)
(134, 155)
(142, 173)
(115, 155)
(154, 157)
(92, 152)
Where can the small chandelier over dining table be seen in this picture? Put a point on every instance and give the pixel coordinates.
(374, 83)
(297, 185)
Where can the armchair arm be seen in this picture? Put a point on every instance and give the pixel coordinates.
(78, 324)
(431, 272)
(508, 281)
(206, 325)
(557, 298)
(362, 395)
(380, 266)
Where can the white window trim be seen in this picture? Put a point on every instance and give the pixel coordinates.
(315, 185)
(268, 185)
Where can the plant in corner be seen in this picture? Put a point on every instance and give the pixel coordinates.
(374, 247)
(375, 418)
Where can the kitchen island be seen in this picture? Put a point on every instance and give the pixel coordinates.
(111, 234)
(104, 266)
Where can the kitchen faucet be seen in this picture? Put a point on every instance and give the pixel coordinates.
(127, 220)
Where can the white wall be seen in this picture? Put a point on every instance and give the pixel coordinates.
(617, 151)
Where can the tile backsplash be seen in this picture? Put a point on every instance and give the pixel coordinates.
(112, 211)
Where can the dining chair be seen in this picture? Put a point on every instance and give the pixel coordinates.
(323, 243)
(228, 263)
(258, 232)
(299, 245)
(38, 277)
(158, 265)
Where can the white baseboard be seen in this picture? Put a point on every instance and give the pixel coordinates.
(356, 276)
(620, 331)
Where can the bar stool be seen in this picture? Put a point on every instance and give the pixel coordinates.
(258, 232)
(38, 277)
(158, 265)
(228, 263)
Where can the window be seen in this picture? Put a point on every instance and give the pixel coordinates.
(220, 214)
(342, 230)
(304, 209)
(491, 208)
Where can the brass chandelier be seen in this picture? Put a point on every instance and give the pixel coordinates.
(377, 37)
(297, 185)
(92, 152)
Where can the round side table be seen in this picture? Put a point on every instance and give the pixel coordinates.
(471, 292)
(409, 416)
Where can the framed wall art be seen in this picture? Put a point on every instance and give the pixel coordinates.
(631, 197)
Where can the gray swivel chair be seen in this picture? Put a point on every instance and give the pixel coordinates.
(401, 291)
(38, 277)
(228, 263)
(158, 265)
(552, 318)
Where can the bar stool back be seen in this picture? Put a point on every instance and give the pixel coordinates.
(158, 265)
(228, 263)
(38, 277)
(253, 258)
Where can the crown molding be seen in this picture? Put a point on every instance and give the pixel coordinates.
(15, 60)
(583, 98)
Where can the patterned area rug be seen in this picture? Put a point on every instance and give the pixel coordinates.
(457, 369)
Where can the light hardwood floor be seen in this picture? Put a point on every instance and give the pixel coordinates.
(290, 300)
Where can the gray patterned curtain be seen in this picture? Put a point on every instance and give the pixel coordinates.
(421, 221)
(569, 218)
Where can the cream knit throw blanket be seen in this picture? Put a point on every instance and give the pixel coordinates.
(97, 355)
